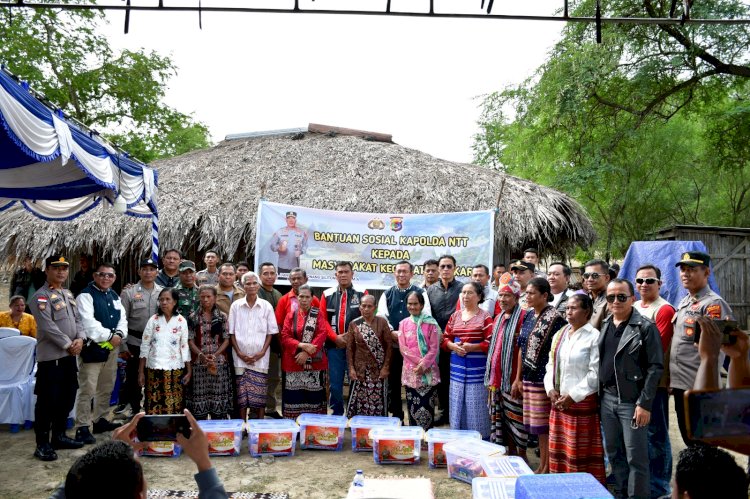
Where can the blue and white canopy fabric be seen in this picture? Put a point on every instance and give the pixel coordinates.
(58, 171)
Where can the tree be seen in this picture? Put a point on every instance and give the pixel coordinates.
(635, 128)
(63, 55)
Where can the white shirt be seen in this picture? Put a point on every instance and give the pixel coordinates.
(93, 327)
(577, 363)
(558, 297)
(165, 344)
(250, 326)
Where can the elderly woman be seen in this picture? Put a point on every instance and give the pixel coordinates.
(17, 318)
(572, 382)
(467, 337)
(368, 355)
(506, 411)
(303, 359)
(419, 343)
(533, 356)
(211, 393)
(165, 356)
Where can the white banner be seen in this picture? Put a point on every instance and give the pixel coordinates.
(293, 236)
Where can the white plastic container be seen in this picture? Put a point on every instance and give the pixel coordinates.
(464, 457)
(274, 437)
(224, 436)
(505, 466)
(361, 426)
(435, 439)
(493, 488)
(396, 445)
(321, 431)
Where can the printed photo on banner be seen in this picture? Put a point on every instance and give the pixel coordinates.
(295, 236)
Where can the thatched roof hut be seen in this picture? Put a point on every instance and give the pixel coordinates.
(208, 198)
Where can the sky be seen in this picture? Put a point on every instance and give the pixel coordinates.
(418, 79)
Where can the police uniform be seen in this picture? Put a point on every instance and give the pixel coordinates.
(295, 239)
(58, 325)
(684, 358)
(140, 304)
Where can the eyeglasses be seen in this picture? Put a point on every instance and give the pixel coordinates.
(446, 266)
(592, 275)
(647, 280)
(108, 275)
(622, 298)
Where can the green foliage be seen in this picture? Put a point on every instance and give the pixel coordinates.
(63, 55)
(646, 130)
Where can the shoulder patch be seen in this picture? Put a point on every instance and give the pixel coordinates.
(41, 299)
(714, 311)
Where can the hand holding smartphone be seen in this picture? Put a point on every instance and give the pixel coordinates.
(158, 428)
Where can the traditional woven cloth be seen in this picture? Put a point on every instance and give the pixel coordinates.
(575, 439)
(536, 408)
(304, 392)
(251, 389)
(163, 392)
(421, 404)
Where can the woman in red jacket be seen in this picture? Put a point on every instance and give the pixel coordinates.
(303, 359)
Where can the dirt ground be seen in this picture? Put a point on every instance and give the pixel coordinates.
(308, 474)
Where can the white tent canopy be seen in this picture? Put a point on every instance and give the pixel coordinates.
(57, 170)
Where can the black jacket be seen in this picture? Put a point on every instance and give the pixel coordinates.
(638, 360)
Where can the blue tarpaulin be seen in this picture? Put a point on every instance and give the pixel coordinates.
(664, 255)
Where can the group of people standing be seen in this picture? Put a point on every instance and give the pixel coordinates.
(516, 357)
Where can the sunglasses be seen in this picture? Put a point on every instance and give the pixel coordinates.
(647, 280)
(592, 275)
(446, 266)
(622, 298)
(108, 275)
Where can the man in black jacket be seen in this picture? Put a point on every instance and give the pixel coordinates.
(631, 363)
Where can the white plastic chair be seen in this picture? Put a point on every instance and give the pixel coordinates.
(16, 379)
(6, 332)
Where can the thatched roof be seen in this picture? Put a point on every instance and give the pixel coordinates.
(209, 198)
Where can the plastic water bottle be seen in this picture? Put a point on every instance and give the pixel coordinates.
(359, 479)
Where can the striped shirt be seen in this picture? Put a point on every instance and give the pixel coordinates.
(250, 326)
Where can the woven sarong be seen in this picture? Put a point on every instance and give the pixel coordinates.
(163, 392)
(536, 407)
(251, 390)
(575, 439)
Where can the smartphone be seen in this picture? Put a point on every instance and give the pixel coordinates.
(718, 413)
(724, 326)
(158, 428)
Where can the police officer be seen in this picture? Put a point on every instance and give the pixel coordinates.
(60, 339)
(700, 301)
(289, 242)
(189, 298)
(140, 302)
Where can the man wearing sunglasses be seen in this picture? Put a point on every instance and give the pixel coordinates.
(595, 280)
(443, 296)
(106, 326)
(658, 310)
(630, 367)
(523, 272)
(684, 358)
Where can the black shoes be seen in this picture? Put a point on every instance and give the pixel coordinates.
(274, 415)
(84, 436)
(102, 425)
(63, 441)
(45, 452)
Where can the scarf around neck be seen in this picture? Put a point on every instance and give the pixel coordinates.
(420, 319)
